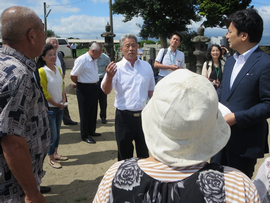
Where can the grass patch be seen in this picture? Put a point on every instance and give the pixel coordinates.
(81, 51)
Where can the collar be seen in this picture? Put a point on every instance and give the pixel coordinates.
(89, 57)
(170, 50)
(125, 61)
(19, 56)
(245, 55)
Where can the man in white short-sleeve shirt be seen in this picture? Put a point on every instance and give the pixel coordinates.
(172, 60)
(85, 75)
(133, 82)
(73, 47)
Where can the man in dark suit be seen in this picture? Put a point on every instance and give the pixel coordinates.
(245, 90)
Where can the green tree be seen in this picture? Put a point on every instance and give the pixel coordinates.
(50, 33)
(217, 11)
(160, 17)
(266, 49)
(147, 42)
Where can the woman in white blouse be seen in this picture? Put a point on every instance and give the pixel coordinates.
(51, 80)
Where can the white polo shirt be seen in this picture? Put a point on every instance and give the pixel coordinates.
(170, 58)
(85, 69)
(132, 84)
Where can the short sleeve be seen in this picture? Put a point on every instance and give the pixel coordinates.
(159, 56)
(77, 68)
(105, 186)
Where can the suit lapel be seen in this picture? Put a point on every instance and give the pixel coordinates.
(252, 60)
(226, 80)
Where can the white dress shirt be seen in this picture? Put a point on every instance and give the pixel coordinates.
(240, 62)
(132, 84)
(73, 46)
(85, 69)
(177, 58)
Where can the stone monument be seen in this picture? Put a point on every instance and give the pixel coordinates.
(109, 45)
(200, 48)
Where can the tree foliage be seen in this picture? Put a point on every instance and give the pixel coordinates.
(217, 11)
(146, 42)
(266, 49)
(51, 33)
(160, 17)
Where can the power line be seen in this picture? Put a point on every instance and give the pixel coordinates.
(66, 4)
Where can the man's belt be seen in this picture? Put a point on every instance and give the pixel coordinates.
(132, 113)
(95, 83)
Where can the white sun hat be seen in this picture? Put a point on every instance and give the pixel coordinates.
(182, 123)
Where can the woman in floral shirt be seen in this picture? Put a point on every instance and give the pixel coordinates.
(183, 129)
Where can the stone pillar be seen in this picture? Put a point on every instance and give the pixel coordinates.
(109, 44)
(200, 48)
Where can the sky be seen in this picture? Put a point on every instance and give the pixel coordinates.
(86, 19)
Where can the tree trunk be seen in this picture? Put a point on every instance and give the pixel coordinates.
(163, 41)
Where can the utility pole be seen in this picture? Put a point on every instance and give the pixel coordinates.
(111, 19)
(113, 35)
(45, 19)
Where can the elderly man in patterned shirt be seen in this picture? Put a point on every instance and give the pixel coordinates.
(24, 124)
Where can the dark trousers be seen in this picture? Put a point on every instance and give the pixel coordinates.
(87, 101)
(66, 117)
(127, 129)
(102, 98)
(244, 164)
(74, 53)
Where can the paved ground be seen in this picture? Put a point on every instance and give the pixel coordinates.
(78, 180)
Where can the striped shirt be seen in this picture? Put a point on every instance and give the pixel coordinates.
(238, 187)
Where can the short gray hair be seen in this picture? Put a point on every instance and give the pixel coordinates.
(48, 40)
(96, 46)
(127, 36)
(16, 22)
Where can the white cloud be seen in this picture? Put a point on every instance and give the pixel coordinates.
(64, 6)
(91, 27)
(121, 28)
(6, 4)
(80, 26)
(264, 11)
(208, 32)
(56, 7)
(71, 20)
